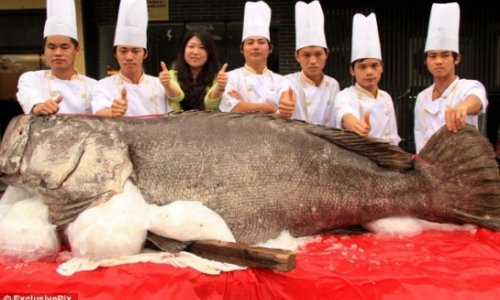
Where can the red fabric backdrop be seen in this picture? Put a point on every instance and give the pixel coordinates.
(431, 265)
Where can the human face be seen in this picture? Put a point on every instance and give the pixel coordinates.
(441, 64)
(256, 51)
(60, 53)
(312, 60)
(368, 72)
(195, 53)
(130, 59)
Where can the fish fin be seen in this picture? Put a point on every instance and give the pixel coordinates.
(166, 244)
(381, 152)
(462, 169)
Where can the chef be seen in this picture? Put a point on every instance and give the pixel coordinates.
(314, 90)
(449, 101)
(363, 107)
(131, 92)
(254, 87)
(61, 89)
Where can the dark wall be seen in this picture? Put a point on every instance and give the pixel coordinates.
(21, 31)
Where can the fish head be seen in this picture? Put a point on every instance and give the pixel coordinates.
(13, 147)
(72, 162)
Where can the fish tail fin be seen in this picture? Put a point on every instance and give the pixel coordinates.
(462, 171)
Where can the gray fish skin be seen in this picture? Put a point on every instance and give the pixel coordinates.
(69, 164)
(262, 175)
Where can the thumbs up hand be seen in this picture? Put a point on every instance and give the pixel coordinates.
(363, 127)
(164, 76)
(171, 89)
(287, 102)
(119, 105)
(49, 107)
(222, 79)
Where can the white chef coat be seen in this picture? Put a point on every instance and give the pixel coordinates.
(430, 115)
(36, 87)
(356, 101)
(145, 98)
(253, 87)
(314, 103)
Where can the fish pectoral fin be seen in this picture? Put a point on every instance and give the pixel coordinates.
(103, 167)
(45, 164)
(165, 244)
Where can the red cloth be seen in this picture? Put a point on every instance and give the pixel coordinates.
(432, 265)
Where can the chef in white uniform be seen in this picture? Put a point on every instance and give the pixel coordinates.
(61, 89)
(363, 107)
(131, 92)
(450, 101)
(254, 87)
(314, 90)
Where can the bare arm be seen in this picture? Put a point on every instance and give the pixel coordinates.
(456, 117)
(244, 106)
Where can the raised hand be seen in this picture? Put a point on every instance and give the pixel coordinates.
(49, 107)
(119, 106)
(172, 90)
(222, 78)
(286, 106)
(362, 127)
(164, 75)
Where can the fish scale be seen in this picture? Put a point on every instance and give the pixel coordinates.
(263, 175)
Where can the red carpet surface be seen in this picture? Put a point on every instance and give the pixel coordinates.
(431, 265)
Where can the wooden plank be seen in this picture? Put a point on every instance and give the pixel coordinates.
(244, 254)
(228, 252)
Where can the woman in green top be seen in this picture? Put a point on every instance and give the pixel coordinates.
(197, 72)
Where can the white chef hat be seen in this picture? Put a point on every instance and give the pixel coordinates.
(132, 24)
(309, 25)
(61, 18)
(443, 27)
(365, 40)
(256, 20)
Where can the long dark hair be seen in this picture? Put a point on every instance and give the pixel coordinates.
(195, 90)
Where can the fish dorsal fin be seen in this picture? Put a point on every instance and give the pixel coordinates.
(382, 153)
